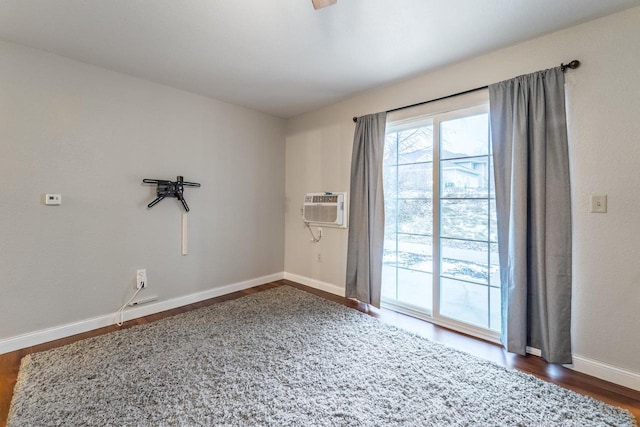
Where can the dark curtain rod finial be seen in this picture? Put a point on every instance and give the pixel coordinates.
(573, 65)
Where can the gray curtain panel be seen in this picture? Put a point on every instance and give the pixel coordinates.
(531, 160)
(366, 211)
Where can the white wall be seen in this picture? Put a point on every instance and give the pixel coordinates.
(93, 135)
(604, 128)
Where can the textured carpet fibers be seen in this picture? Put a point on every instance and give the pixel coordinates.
(284, 357)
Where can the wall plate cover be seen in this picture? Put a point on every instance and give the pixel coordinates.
(598, 203)
(141, 278)
(53, 199)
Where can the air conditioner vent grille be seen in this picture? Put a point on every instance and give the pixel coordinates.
(320, 213)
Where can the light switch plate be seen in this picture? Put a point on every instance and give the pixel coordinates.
(598, 203)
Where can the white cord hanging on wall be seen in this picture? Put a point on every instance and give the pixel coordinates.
(184, 233)
(314, 239)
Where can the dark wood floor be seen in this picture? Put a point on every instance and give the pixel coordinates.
(607, 392)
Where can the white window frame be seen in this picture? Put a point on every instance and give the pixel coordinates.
(433, 114)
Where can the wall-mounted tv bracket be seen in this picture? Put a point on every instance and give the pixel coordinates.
(170, 189)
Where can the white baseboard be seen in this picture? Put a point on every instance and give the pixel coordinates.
(69, 329)
(313, 283)
(598, 369)
(534, 351)
(606, 372)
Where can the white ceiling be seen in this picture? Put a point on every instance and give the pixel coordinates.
(281, 56)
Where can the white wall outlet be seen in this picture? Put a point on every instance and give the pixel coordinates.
(53, 199)
(599, 203)
(141, 278)
(319, 257)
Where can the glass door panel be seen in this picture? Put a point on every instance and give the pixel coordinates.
(407, 278)
(467, 223)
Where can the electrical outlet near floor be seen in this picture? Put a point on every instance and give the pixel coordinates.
(141, 278)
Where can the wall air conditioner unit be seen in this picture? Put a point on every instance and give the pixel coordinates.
(326, 209)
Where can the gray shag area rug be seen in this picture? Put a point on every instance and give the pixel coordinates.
(284, 357)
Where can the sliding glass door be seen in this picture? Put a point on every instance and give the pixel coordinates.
(440, 253)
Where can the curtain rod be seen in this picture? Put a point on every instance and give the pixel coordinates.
(563, 67)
